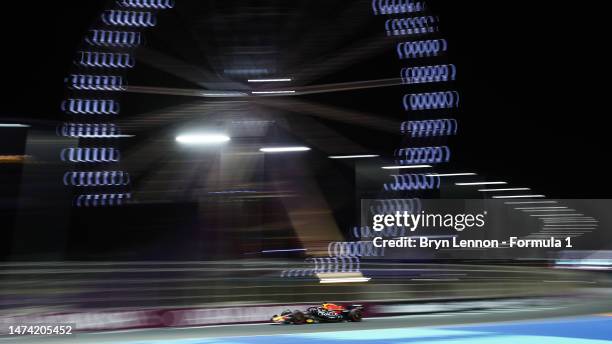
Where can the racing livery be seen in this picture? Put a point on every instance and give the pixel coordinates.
(327, 312)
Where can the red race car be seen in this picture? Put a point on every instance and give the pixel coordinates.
(327, 312)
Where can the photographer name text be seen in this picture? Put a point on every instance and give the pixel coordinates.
(454, 242)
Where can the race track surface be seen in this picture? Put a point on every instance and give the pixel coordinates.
(538, 324)
(592, 329)
(575, 330)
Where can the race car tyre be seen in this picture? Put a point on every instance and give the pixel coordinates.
(355, 315)
(298, 318)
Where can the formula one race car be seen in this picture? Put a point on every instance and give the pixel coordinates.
(327, 312)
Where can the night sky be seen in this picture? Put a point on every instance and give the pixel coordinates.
(533, 78)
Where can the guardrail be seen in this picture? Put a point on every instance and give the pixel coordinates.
(117, 285)
(119, 295)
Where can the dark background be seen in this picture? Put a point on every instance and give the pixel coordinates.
(533, 77)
